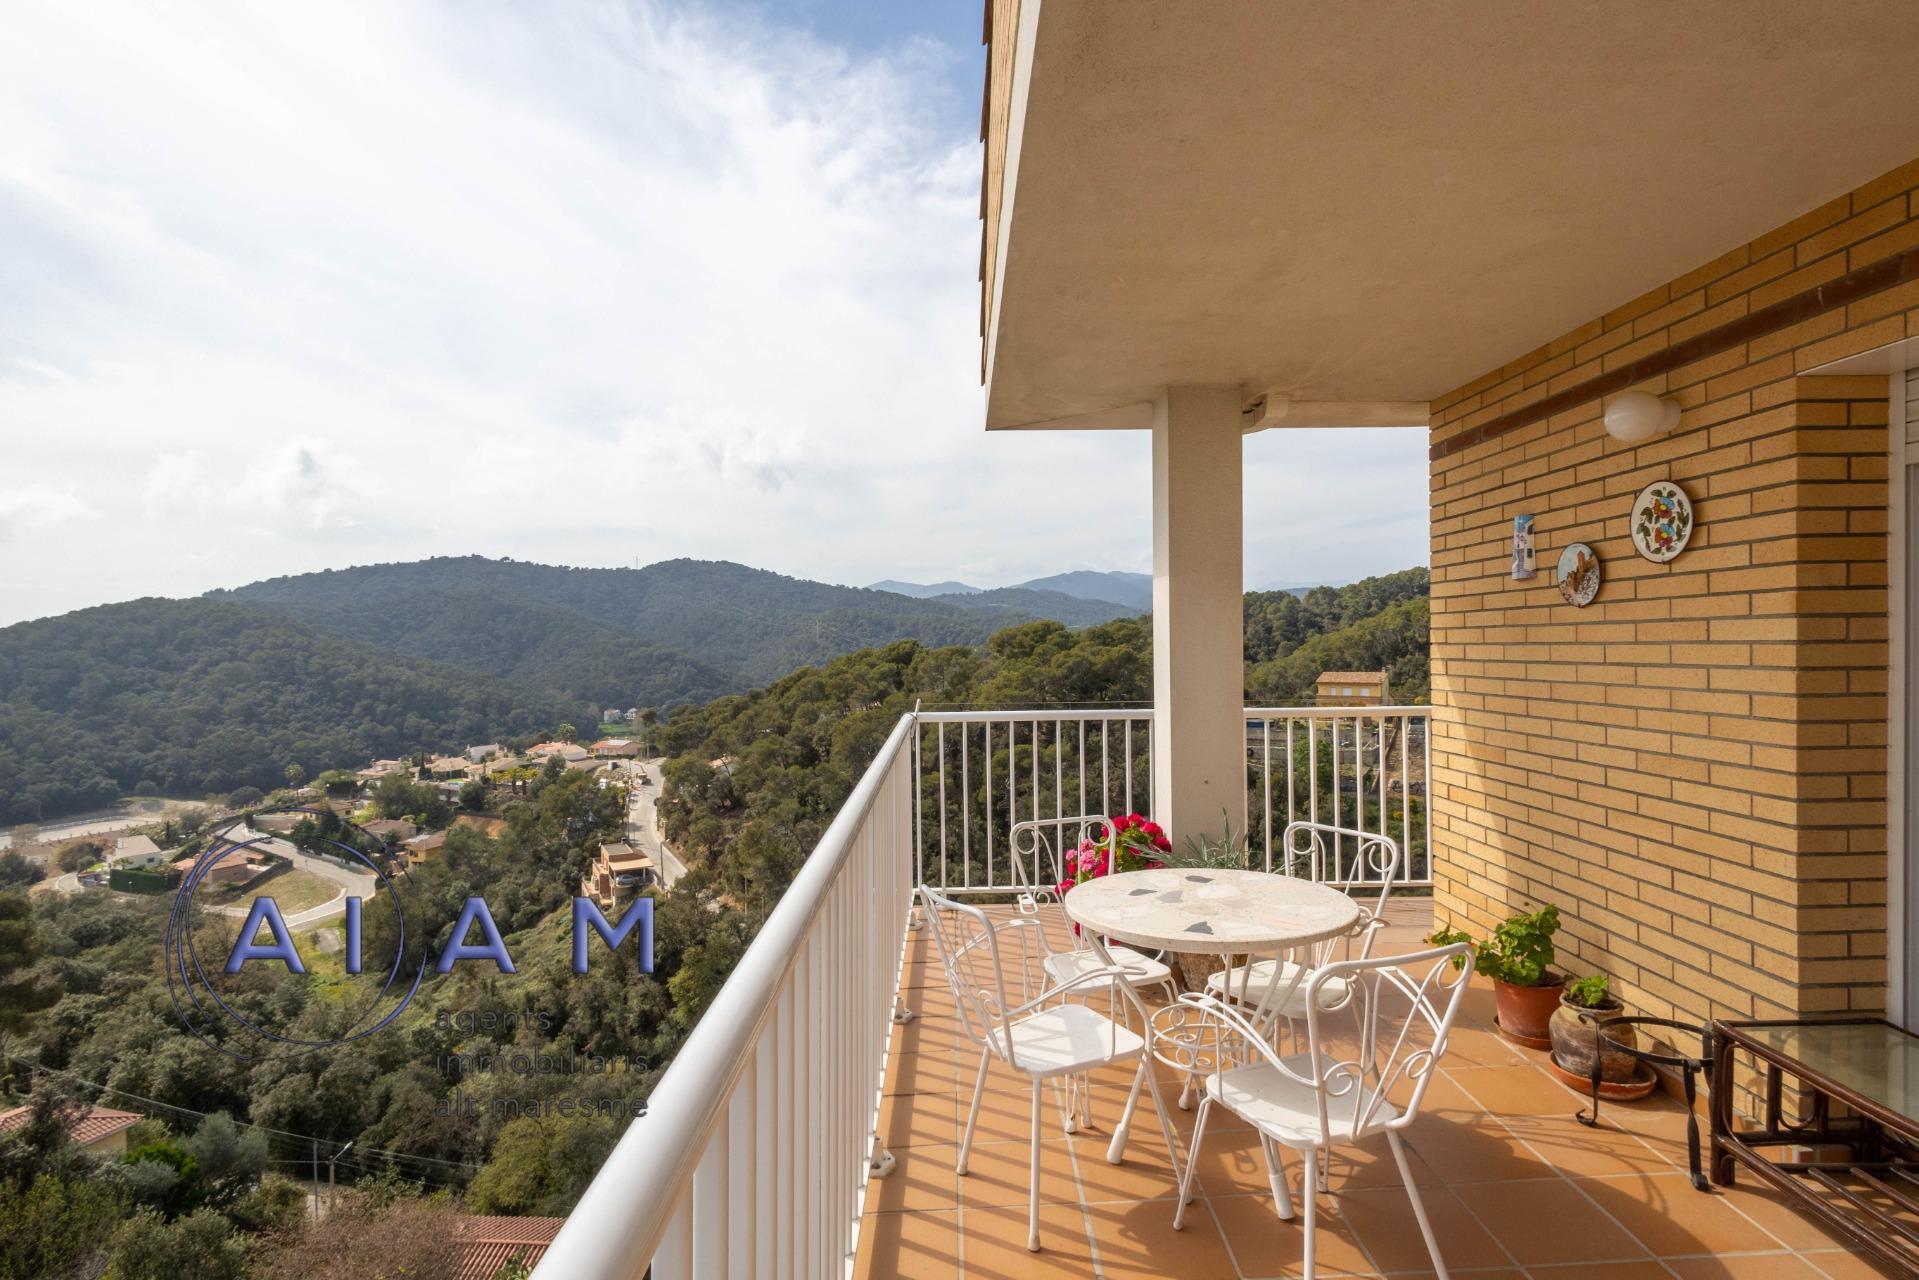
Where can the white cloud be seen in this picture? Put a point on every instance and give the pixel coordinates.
(37, 507)
(584, 282)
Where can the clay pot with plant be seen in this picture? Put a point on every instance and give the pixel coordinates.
(1518, 958)
(1574, 1029)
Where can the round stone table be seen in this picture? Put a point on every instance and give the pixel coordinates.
(1182, 909)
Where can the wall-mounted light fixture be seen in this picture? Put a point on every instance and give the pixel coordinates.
(1640, 415)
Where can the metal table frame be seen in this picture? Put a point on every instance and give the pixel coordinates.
(1881, 1145)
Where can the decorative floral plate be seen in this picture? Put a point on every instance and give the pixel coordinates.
(1661, 521)
(1578, 575)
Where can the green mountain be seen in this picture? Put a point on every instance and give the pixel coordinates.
(1023, 604)
(1132, 589)
(198, 696)
(747, 626)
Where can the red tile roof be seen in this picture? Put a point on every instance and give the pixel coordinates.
(97, 1123)
(489, 1243)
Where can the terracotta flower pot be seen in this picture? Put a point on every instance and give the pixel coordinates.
(1576, 1037)
(1525, 1013)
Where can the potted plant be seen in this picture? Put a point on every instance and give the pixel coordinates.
(1518, 958)
(1131, 843)
(1574, 1030)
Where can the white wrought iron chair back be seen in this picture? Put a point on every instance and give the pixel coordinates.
(1039, 867)
(1318, 851)
(1404, 1006)
(1039, 846)
(996, 969)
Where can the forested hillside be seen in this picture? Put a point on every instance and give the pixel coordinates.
(328, 669)
(746, 626)
(197, 696)
(799, 745)
(1375, 623)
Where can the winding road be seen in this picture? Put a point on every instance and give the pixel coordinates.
(643, 820)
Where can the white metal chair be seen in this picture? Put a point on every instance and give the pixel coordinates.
(991, 964)
(1275, 988)
(1321, 1099)
(1038, 851)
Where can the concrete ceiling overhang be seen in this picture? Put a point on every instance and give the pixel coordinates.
(1372, 204)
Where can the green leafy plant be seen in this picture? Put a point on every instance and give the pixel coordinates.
(1520, 952)
(1228, 852)
(1590, 992)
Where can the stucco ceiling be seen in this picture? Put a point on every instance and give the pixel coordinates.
(1380, 202)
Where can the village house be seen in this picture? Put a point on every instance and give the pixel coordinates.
(135, 851)
(99, 1131)
(619, 872)
(1350, 689)
(447, 767)
(482, 753)
(421, 847)
(616, 748)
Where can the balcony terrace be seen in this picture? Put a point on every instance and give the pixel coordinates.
(1514, 1185)
(809, 1126)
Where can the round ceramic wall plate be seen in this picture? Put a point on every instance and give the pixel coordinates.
(1661, 521)
(1578, 575)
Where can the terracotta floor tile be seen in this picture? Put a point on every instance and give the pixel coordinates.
(1137, 1242)
(912, 1118)
(920, 1073)
(1779, 1216)
(1634, 1270)
(1841, 1265)
(1471, 1147)
(994, 1243)
(1006, 1108)
(908, 1244)
(926, 1033)
(1769, 1266)
(1514, 1091)
(1265, 1245)
(997, 1174)
(1232, 1163)
(1475, 1047)
(1546, 1222)
(1370, 1164)
(1146, 1173)
(1574, 1148)
(1382, 1219)
(922, 1179)
(1670, 1217)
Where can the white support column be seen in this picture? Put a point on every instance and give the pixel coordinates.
(1199, 734)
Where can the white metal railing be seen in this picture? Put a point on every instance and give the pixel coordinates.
(983, 772)
(758, 1142)
(1356, 768)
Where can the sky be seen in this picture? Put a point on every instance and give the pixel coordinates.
(290, 287)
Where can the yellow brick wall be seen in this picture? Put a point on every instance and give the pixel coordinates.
(1693, 767)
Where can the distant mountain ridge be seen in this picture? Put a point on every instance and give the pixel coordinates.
(676, 631)
(922, 590)
(1133, 590)
(187, 697)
